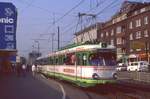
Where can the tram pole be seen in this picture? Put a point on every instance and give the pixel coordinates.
(53, 50)
(58, 38)
(76, 65)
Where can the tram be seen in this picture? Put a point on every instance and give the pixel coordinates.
(85, 65)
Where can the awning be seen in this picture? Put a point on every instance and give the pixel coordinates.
(4, 52)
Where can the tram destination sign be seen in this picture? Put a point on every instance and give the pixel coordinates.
(8, 25)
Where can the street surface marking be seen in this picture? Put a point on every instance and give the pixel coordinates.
(61, 87)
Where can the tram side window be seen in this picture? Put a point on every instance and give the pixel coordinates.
(84, 59)
(79, 59)
(96, 60)
(69, 59)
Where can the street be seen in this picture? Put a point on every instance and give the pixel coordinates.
(40, 87)
(28, 87)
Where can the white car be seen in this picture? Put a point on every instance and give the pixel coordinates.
(138, 66)
(121, 67)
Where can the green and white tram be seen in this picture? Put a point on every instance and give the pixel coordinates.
(86, 65)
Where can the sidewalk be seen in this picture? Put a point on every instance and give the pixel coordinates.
(28, 87)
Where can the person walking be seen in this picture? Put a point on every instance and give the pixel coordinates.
(24, 69)
(33, 70)
(18, 69)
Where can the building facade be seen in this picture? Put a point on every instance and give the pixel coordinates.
(129, 31)
(88, 34)
(8, 27)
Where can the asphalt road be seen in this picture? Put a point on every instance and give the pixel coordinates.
(38, 87)
(13, 87)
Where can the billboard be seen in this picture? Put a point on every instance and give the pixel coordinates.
(8, 25)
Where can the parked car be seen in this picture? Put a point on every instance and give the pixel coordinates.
(121, 67)
(138, 66)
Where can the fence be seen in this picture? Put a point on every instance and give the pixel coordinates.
(137, 76)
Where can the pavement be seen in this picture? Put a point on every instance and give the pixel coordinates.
(27, 87)
(38, 87)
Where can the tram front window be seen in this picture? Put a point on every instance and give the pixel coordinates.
(102, 59)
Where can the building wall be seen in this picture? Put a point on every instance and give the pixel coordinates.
(88, 34)
(129, 38)
(118, 31)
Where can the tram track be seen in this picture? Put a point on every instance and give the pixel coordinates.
(112, 91)
(69, 87)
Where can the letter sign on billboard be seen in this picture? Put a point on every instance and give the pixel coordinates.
(8, 24)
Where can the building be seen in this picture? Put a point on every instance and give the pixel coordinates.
(88, 34)
(33, 56)
(129, 31)
(8, 25)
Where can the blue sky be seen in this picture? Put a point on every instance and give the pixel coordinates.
(36, 17)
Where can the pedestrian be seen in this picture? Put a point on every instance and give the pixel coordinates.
(33, 70)
(24, 69)
(18, 69)
(13, 68)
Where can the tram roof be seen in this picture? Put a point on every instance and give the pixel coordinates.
(82, 48)
(88, 47)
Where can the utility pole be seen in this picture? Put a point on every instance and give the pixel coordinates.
(58, 38)
(53, 41)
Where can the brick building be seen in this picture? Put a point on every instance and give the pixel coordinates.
(129, 31)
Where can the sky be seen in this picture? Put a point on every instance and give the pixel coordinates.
(39, 19)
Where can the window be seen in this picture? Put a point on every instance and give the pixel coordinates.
(145, 33)
(146, 20)
(142, 10)
(112, 42)
(138, 35)
(118, 29)
(112, 32)
(119, 41)
(131, 36)
(106, 33)
(102, 35)
(138, 22)
(119, 50)
(136, 12)
(131, 50)
(130, 25)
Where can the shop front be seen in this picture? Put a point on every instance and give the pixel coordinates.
(7, 58)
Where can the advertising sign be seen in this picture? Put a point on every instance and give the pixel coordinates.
(8, 24)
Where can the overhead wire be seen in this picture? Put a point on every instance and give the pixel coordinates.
(67, 13)
(107, 7)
